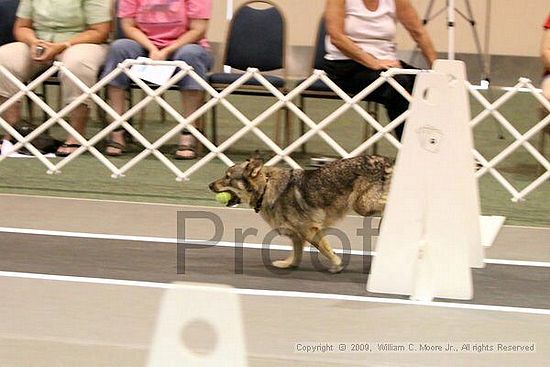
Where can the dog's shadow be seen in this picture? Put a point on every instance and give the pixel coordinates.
(356, 270)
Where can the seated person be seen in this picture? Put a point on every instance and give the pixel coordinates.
(360, 45)
(72, 32)
(170, 30)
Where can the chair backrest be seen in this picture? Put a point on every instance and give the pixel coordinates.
(256, 38)
(320, 49)
(8, 9)
(118, 32)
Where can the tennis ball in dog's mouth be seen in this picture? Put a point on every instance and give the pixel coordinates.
(223, 197)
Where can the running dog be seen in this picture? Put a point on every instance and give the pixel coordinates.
(301, 204)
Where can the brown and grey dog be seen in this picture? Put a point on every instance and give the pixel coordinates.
(301, 204)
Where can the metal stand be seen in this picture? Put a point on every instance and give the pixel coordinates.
(483, 54)
(484, 59)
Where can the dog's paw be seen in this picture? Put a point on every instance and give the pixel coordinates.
(283, 264)
(336, 267)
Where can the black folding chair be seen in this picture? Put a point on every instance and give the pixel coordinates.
(256, 38)
(8, 9)
(319, 90)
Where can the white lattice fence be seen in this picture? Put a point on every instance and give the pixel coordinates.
(491, 109)
(282, 102)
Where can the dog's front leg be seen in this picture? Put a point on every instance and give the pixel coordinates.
(295, 257)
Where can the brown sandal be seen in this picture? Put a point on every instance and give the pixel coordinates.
(189, 146)
(113, 144)
(65, 145)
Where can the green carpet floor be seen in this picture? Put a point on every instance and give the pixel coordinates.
(152, 182)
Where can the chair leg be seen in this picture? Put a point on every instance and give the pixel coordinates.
(303, 148)
(59, 97)
(30, 109)
(542, 141)
(288, 126)
(214, 125)
(141, 122)
(199, 146)
(45, 99)
(543, 133)
(372, 109)
(162, 113)
(278, 128)
(131, 104)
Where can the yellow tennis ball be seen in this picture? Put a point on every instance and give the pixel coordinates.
(223, 197)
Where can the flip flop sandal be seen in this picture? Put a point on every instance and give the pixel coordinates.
(185, 148)
(114, 144)
(65, 145)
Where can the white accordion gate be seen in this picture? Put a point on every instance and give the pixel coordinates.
(282, 101)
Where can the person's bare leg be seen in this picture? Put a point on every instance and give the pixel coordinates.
(117, 98)
(191, 100)
(11, 115)
(79, 118)
(546, 87)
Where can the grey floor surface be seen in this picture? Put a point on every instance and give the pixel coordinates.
(59, 323)
(499, 285)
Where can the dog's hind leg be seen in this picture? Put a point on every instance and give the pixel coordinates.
(295, 257)
(370, 201)
(318, 240)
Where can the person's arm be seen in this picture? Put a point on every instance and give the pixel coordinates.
(335, 15)
(95, 33)
(197, 31)
(545, 49)
(131, 31)
(406, 15)
(24, 32)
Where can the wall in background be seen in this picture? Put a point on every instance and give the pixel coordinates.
(515, 26)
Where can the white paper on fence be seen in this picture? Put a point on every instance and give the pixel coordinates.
(7, 145)
(156, 74)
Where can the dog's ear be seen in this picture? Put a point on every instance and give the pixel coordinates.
(256, 155)
(253, 167)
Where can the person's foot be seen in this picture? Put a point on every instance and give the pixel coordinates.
(186, 147)
(116, 145)
(67, 148)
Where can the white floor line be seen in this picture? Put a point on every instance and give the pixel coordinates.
(257, 246)
(213, 207)
(287, 294)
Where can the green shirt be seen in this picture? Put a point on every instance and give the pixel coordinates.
(60, 20)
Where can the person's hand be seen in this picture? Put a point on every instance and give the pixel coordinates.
(35, 46)
(388, 64)
(50, 50)
(159, 55)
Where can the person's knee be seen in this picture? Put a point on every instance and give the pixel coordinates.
(120, 50)
(193, 55)
(13, 56)
(81, 67)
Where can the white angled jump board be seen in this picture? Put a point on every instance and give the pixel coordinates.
(191, 312)
(430, 236)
